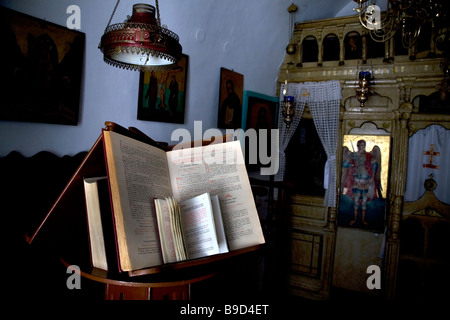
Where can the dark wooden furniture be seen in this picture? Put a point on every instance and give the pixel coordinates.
(57, 230)
(166, 282)
(424, 254)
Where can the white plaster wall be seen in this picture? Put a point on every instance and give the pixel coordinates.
(247, 36)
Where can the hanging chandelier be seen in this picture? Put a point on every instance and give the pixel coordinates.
(140, 43)
(409, 16)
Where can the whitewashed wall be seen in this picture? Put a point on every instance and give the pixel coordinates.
(248, 37)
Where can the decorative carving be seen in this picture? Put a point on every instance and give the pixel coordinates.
(396, 217)
(412, 128)
(392, 108)
(408, 106)
(430, 184)
(404, 93)
(332, 214)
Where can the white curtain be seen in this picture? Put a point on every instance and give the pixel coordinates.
(326, 119)
(285, 134)
(420, 144)
(323, 99)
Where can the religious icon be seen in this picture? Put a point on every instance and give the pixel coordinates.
(162, 94)
(364, 182)
(230, 99)
(42, 78)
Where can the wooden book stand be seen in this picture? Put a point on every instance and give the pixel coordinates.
(65, 227)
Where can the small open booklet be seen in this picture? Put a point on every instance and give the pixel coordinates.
(190, 229)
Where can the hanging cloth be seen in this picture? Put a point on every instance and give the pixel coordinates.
(428, 154)
(323, 99)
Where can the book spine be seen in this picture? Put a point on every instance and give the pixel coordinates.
(112, 209)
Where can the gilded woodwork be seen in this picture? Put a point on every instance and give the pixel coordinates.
(392, 110)
(424, 221)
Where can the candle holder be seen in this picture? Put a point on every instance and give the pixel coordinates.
(364, 90)
(288, 110)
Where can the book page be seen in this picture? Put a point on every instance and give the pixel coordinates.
(163, 217)
(137, 173)
(175, 226)
(198, 227)
(220, 170)
(218, 221)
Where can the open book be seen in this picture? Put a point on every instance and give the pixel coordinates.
(190, 229)
(138, 173)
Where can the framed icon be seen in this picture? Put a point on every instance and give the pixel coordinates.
(41, 76)
(230, 99)
(363, 192)
(162, 94)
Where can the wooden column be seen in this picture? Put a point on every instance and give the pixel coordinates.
(320, 48)
(399, 162)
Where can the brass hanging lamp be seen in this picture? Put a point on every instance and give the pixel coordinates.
(140, 43)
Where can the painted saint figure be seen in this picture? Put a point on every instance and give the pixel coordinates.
(230, 112)
(152, 90)
(173, 95)
(361, 177)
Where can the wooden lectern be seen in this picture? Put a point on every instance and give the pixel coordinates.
(65, 227)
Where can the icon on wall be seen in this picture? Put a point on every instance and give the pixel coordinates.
(162, 94)
(42, 70)
(230, 99)
(259, 112)
(365, 166)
